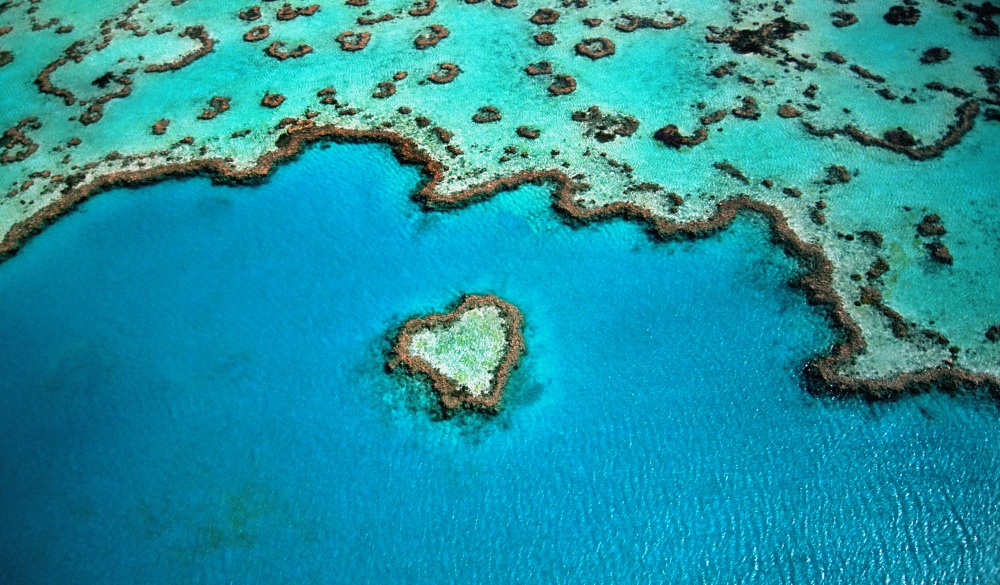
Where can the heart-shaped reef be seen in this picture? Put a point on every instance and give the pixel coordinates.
(466, 353)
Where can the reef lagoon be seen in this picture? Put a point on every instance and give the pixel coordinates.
(193, 390)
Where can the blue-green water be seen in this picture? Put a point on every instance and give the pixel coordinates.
(191, 391)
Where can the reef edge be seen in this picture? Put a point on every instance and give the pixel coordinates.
(821, 372)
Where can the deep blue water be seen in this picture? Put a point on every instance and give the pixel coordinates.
(192, 391)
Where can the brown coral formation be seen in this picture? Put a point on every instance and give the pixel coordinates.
(286, 12)
(671, 136)
(275, 50)
(872, 237)
(900, 137)
(272, 100)
(250, 14)
(529, 133)
(931, 226)
(902, 142)
(991, 75)
(540, 68)
(935, 55)
(352, 41)
(866, 74)
(370, 20)
(902, 15)
(834, 57)
(442, 134)
(886, 93)
(436, 35)
(257, 33)
(984, 13)
(723, 70)
(940, 253)
(897, 324)
(486, 114)
(714, 117)
(842, 18)
(104, 80)
(206, 46)
(604, 126)
(877, 269)
(749, 109)
(545, 16)
(595, 47)
(562, 85)
(160, 127)
(384, 89)
(789, 111)
(545, 39)
(327, 96)
(728, 169)
(630, 23)
(15, 142)
(449, 393)
(446, 73)
(870, 296)
(422, 7)
(837, 174)
(762, 40)
(217, 105)
(95, 111)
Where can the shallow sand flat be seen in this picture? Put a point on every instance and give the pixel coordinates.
(469, 351)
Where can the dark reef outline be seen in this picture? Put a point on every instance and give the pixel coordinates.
(816, 281)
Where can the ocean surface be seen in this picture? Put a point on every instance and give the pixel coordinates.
(192, 391)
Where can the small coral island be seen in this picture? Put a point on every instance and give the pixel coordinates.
(467, 353)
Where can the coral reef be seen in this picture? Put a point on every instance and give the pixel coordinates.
(671, 136)
(352, 41)
(438, 347)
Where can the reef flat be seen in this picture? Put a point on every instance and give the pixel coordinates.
(467, 353)
(871, 161)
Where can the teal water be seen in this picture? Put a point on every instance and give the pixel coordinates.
(191, 391)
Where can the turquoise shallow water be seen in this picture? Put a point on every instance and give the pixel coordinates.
(191, 391)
